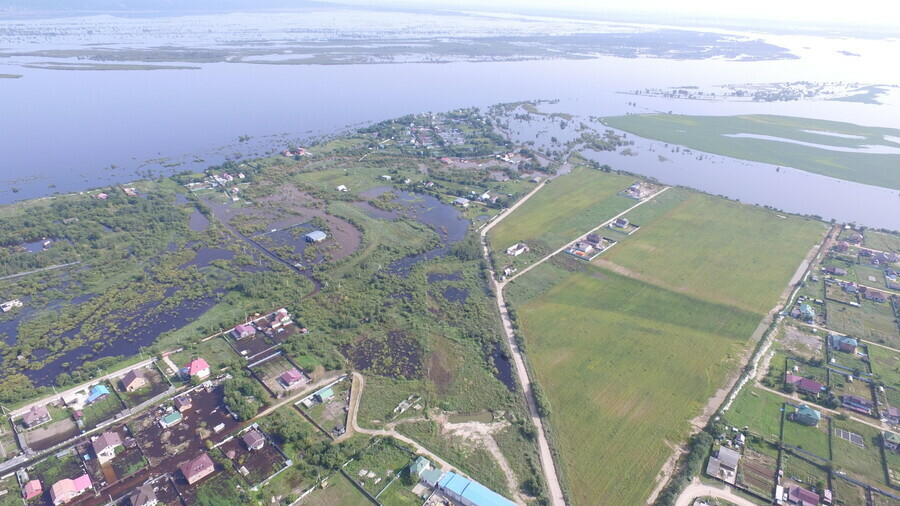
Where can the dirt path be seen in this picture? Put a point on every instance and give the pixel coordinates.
(548, 465)
(697, 489)
(604, 224)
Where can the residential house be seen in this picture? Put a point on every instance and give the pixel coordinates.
(198, 367)
(67, 489)
(36, 416)
(431, 477)
(595, 239)
(806, 415)
(243, 331)
(802, 497)
(583, 247)
(97, 393)
(315, 236)
(324, 395)
(183, 403)
(102, 196)
(804, 385)
(105, 445)
(875, 296)
(891, 441)
(461, 202)
(517, 249)
(134, 380)
(470, 493)
(254, 440)
(841, 247)
(856, 403)
(835, 271)
(143, 496)
(851, 287)
(865, 253)
(292, 377)
(892, 415)
(342, 188)
(724, 465)
(855, 238)
(419, 466)
(170, 419)
(621, 222)
(535, 179)
(843, 343)
(32, 489)
(807, 312)
(198, 468)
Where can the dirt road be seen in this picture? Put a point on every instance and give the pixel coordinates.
(697, 489)
(547, 464)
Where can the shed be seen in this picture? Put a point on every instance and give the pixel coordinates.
(315, 236)
(183, 403)
(324, 394)
(170, 419)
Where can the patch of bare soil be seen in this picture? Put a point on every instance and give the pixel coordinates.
(667, 470)
(438, 372)
(802, 343)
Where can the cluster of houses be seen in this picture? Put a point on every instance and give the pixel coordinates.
(455, 486)
(269, 325)
(589, 246)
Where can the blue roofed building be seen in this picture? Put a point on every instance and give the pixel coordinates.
(470, 493)
(98, 392)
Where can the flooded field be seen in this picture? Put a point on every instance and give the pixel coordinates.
(402, 352)
(503, 367)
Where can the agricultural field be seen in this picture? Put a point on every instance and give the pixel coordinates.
(567, 207)
(801, 143)
(703, 299)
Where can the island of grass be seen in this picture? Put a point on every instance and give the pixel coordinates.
(629, 347)
(868, 155)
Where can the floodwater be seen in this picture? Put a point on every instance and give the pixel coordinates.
(205, 256)
(168, 121)
(867, 148)
(198, 222)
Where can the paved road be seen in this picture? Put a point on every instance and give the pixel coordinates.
(604, 224)
(697, 489)
(547, 464)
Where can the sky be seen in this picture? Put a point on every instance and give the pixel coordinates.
(878, 14)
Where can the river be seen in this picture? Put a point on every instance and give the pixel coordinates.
(71, 130)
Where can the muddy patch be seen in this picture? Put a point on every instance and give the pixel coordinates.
(438, 372)
(434, 277)
(396, 355)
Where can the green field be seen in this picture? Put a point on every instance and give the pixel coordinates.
(714, 250)
(708, 133)
(558, 213)
(628, 354)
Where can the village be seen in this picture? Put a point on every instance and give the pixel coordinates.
(821, 423)
(162, 431)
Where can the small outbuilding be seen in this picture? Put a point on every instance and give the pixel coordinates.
(315, 236)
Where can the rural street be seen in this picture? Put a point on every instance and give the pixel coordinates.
(697, 489)
(547, 464)
(605, 223)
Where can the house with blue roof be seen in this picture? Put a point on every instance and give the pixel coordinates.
(470, 493)
(97, 393)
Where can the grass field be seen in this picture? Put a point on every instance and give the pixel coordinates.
(865, 463)
(871, 321)
(706, 246)
(629, 350)
(569, 206)
(339, 492)
(757, 409)
(811, 439)
(708, 133)
(882, 242)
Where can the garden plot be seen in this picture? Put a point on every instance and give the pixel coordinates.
(256, 465)
(259, 343)
(153, 384)
(328, 407)
(860, 462)
(206, 419)
(758, 472)
(279, 375)
(378, 465)
(336, 491)
(128, 461)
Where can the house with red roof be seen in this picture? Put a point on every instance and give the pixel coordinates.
(802, 497)
(67, 489)
(243, 331)
(197, 469)
(32, 489)
(804, 385)
(292, 377)
(198, 367)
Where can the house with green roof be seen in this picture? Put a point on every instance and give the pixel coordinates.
(324, 394)
(170, 419)
(807, 312)
(419, 466)
(891, 441)
(842, 343)
(806, 415)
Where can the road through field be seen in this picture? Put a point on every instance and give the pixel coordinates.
(547, 464)
(604, 224)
